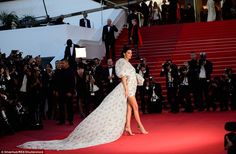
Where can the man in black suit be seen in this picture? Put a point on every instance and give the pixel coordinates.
(193, 77)
(70, 53)
(110, 78)
(84, 22)
(109, 38)
(172, 11)
(66, 92)
(145, 12)
(205, 69)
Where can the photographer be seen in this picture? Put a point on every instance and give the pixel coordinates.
(170, 71)
(184, 88)
(5, 125)
(230, 137)
(205, 68)
(155, 97)
(94, 84)
(143, 70)
(35, 96)
(81, 90)
(228, 91)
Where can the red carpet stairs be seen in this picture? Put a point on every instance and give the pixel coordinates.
(176, 42)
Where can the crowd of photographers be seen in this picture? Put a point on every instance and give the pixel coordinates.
(192, 82)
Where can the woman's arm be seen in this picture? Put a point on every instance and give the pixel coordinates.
(124, 82)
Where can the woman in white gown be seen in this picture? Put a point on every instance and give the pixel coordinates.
(108, 121)
(211, 10)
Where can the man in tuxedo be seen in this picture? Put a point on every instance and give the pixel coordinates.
(205, 69)
(84, 22)
(111, 80)
(70, 53)
(109, 38)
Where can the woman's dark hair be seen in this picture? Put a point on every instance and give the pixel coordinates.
(124, 50)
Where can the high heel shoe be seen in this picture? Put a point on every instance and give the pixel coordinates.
(129, 132)
(142, 130)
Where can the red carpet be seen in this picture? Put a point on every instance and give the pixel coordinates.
(177, 41)
(183, 133)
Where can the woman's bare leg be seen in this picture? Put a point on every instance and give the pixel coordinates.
(128, 120)
(133, 103)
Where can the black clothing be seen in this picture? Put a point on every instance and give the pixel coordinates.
(155, 98)
(110, 84)
(171, 86)
(109, 38)
(71, 57)
(82, 23)
(67, 85)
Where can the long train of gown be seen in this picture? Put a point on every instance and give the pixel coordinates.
(105, 124)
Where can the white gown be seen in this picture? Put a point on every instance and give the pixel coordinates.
(211, 10)
(105, 124)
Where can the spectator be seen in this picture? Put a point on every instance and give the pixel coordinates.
(172, 11)
(164, 12)
(84, 22)
(109, 38)
(190, 17)
(211, 10)
(150, 8)
(60, 20)
(227, 9)
(69, 53)
(218, 10)
(145, 12)
(136, 37)
(111, 80)
(130, 17)
(156, 15)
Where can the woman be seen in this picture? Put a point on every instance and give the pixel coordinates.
(136, 37)
(211, 10)
(156, 14)
(128, 77)
(107, 122)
